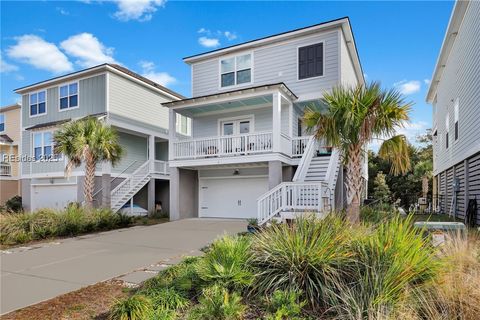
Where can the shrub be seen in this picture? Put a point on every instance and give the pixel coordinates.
(136, 307)
(227, 263)
(164, 314)
(14, 204)
(377, 213)
(216, 303)
(307, 256)
(284, 305)
(168, 298)
(15, 228)
(391, 259)
(44, 224)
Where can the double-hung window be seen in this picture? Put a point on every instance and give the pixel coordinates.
(310, 61)
(2, 122)
(43, 146)
(447, 128)
(69, 96)
(38, 104)
(236, 70)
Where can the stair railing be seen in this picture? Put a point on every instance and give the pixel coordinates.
(304, 163)
(129, 183)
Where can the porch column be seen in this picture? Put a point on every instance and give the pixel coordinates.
(151, 152)
(276, 121)
(274, 174)
(172, 129)
(151, 196)
(174, 193)
(106, 184)
(290, 118)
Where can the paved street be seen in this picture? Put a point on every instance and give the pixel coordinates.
(32, 276)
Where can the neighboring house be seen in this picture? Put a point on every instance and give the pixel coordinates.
(455, 96)
(248, 155)
(124, 99)
(9, 151)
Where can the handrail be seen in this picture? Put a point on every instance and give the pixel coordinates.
(128, 167)
(305, 161)
(190, 139)
(133, 174)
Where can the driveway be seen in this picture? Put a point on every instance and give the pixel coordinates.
(35, 275)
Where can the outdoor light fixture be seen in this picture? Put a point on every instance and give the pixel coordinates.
(236, 172)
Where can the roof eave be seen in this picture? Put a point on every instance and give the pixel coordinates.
(454, 24)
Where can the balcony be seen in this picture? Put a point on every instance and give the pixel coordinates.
(5, 169)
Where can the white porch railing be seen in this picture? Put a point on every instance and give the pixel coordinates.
(5, 169)
(160, 167)
(299, 144)
(292, 196)
(251, 143)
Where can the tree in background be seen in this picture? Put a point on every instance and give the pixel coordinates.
(87, 141)
(354, 117)
(408, 187)
(381, 191)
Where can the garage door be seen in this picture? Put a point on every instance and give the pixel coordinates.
(53, 196)
(231, 198)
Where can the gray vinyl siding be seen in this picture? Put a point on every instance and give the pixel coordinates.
(135, 149)
(277, 63)
(130, 100)
(217, 173)
(474, 181)
(347, 71)
(91, 97)
(207, 126)
(285, 119)
(460, 79)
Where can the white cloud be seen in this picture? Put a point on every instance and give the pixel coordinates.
(6, 67)
(230, 35)
(148, 71)
(427, 81)
(88, 50)
(408, 87)
(39, 53)
(209, 42)
(141, 10)
(62, 11)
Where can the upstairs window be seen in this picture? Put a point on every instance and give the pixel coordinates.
(456, 118)
(43, 146)
(236, 70)
(2, 122)
(38, 104)
(447, 127)
(183, 125)
(310, 61)
(69, 96)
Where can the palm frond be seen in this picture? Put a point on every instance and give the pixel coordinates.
(395, 150)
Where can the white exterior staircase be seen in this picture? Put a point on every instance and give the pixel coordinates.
(130, 186)
(312, 188)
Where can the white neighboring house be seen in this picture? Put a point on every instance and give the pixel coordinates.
(122, 98)
(248, 155)
(455, 97)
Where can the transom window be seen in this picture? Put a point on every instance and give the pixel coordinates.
(2, 122)
(310, 61)
(38, 103)
(69, 96)
(43, 146)
(236, 70)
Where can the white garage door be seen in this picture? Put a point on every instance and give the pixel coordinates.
(53, 196)
(231, 198)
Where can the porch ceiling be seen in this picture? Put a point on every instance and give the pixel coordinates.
(232, 104)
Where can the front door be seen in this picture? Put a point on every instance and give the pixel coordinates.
(235, 128)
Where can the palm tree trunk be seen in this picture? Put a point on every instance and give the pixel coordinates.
(89, 184)
(354, 182)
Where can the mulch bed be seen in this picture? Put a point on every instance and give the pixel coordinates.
(92, 302)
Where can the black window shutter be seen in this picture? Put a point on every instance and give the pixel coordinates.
(310, 61)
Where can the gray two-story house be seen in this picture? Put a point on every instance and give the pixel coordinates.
(455, 96)
(248, 155)
(127, 101)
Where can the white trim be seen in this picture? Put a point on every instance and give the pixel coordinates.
(68, 96)
(234, 56)
(323, 58)
(30, 104)
(272, 156)
(140, 130)
(237, 119)
(107, 92)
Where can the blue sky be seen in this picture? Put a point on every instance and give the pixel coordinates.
(398, 42)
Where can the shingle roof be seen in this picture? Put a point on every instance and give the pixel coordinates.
(5, 138)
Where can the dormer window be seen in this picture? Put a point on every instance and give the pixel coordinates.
(236, 70)
(69, 96)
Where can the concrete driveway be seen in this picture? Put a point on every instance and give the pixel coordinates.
(38, 274)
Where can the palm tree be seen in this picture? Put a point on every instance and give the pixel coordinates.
(87, 141)
(354, 117)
